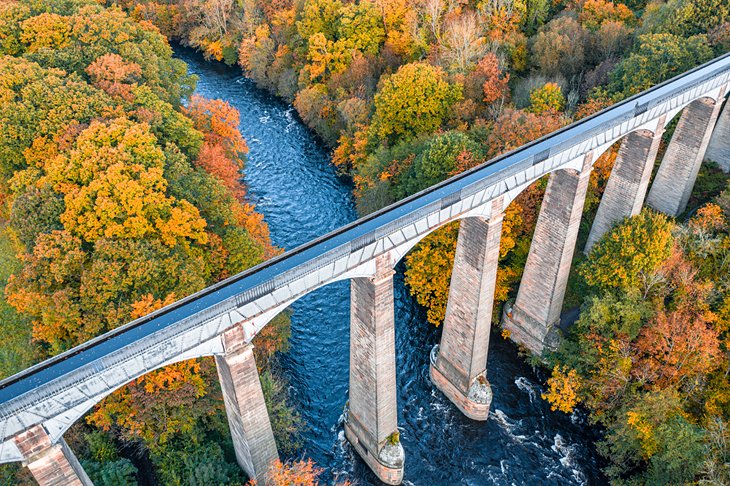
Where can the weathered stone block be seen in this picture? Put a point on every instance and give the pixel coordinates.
(50, 464)
(545, 278)
(253, 438)
(676, 176)
(372, 415)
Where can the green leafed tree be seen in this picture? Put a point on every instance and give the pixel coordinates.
(657, 58)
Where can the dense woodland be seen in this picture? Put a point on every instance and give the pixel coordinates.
(117, 200)
(129, 200)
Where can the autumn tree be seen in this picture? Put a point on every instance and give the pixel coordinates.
(595, 13)
(112, 74)
(298, 473)
(547, 98)
(429, 271)
(463, 41)
(415, 100)
(437, 160)
(685, 18)
(559, 47)
(515, 128)
(626, 257)
(676, 347)
(495, 86)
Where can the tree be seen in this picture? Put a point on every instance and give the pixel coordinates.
(463, 42)
(36, 102)
(515, 128)
(415, 100)
(361, 27)
(159, 406)
(503, 17)
(685, 18)
(219, 122)
(495, 86)
(429, 271)
(595, 13)
(559, 47)
(436, 161)
(563, 390)
(548, 98)
(196, 464)
(73, 41)
(657, 58)
(676, 347)
(298, 473)
(112, 74)
(114, 187)
(626, 257)
(320, 16)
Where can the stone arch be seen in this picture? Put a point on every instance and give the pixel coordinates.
(56, 429)
(258, 322)
(401, 251)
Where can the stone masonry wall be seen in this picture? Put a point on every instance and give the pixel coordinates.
(253, 438)
(465, 340)
(629, 180)
(50, 464)
(676, 177)
(545, 278)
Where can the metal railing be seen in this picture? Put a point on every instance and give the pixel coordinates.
(264, 278)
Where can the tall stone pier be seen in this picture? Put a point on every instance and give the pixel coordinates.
(719, 147)
(676, 177)
(459, 363)
(50, 464)
(629, 180)
(533, 319)
(371, 419)
(253, 438)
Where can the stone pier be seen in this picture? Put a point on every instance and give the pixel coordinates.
(253, 439)
(459, 363)
(371, 423)
(533, 319)
(50, 464)
(676, 176)
(719, 148)
(629, 180)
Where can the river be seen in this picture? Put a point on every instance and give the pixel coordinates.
(293, 184)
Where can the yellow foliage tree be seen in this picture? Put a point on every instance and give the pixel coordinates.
(563, 389)
(114, 187)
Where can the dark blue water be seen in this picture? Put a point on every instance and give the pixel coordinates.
(291, 181)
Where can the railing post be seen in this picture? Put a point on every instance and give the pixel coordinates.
(459, 364)
(248, 418)
(50, 464)
(533, 319)
(371, 423)
(677, 174)
(629, 180)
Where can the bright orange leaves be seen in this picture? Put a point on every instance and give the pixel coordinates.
(114, 75)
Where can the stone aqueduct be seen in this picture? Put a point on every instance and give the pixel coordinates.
(38, 405)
